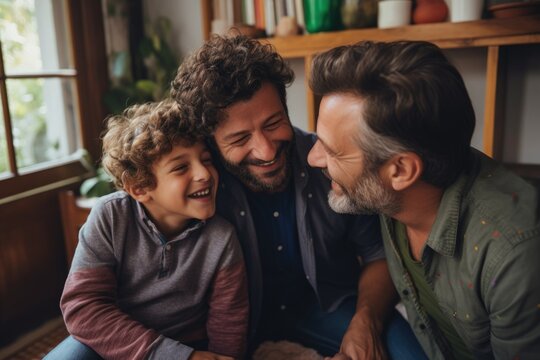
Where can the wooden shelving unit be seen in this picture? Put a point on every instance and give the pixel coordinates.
(494, 34)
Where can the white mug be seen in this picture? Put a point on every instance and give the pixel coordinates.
(466, 10)
(394, 13)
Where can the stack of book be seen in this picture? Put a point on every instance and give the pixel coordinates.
(262, 14)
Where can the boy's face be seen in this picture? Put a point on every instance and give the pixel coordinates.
(186, 186)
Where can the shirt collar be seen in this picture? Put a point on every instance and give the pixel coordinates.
(443, 235)
(149, 225)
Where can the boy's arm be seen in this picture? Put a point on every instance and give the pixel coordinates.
(89, 301)
(92, 317)
(228, 304)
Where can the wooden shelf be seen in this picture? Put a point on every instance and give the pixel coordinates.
(518, 30)
(494, 34)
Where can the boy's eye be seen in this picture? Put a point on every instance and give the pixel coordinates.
(180, 168)
(207, 161)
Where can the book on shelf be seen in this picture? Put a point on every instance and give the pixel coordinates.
(263, 14)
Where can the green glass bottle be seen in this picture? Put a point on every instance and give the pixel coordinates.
(322, 15)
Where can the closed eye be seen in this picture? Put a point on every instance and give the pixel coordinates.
(273, 125)
(180, 169)
(207, 161)
(240, 141)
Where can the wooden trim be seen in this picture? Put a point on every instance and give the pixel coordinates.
(7, 117)
(73, 217)
(66, 73)
(207, 16)
(518, 30)
(23, 183)
(494, 103)
(312, 100)
(90, 58)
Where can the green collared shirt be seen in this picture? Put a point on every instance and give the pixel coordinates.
(482, 259)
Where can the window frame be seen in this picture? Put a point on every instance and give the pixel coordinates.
(86, 43)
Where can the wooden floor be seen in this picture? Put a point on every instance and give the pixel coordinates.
(36, 349)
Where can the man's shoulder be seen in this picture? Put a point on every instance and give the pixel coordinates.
(499, 214)
(502, 200)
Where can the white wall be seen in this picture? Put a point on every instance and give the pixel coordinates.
(522, 128)
(186, 19)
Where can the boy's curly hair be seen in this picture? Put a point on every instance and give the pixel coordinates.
(225, 70)
(139, 137)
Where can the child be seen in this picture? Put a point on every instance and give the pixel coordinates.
(154, 271)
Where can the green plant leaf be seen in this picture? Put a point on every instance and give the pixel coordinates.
(146, 86)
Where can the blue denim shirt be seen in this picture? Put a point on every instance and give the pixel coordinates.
(330, 243)
(482, 260)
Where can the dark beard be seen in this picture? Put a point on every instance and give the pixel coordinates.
(241, 171)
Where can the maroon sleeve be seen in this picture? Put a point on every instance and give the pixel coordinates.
(229, 311)
(89, 308)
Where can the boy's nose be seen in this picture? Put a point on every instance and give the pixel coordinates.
(201, 173)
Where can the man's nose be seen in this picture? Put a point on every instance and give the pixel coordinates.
(263, 148)
(316, 156)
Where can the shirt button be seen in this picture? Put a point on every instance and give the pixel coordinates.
(307, 277)
(276, 214)
(280, 247)
(242, 213)
(168, 247)
(282, 307)
(303, 174)
(310, 195)
(405, 292)
(422, 327)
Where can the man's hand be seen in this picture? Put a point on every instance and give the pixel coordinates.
(362, 341)
(207, 355)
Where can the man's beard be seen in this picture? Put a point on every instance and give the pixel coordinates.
(280, 177)
(369, 196)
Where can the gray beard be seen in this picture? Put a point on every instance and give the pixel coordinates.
(369, 196)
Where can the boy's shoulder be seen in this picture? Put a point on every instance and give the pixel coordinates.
(217, 225)
(113, 202)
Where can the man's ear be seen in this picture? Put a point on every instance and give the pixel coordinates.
(403, 170)
(139, 194)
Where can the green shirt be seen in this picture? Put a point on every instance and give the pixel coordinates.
(426, 296)
(482, 258)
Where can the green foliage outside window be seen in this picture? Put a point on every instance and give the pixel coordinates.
(20, 48)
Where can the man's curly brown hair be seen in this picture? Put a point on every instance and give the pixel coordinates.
(225, 70)
(139, 137)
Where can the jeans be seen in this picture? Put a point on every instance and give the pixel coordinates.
(73, 350)
(314, 328)
(309, 326)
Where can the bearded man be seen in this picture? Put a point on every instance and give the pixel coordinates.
(315, 276)
(461, 233)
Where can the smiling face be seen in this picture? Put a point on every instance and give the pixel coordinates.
(186, 186)
(356, 184)
(254, 141)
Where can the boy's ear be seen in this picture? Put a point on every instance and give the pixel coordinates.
(403, 170)
(139, 194)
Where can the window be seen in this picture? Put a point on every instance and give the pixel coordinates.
(41, 134)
